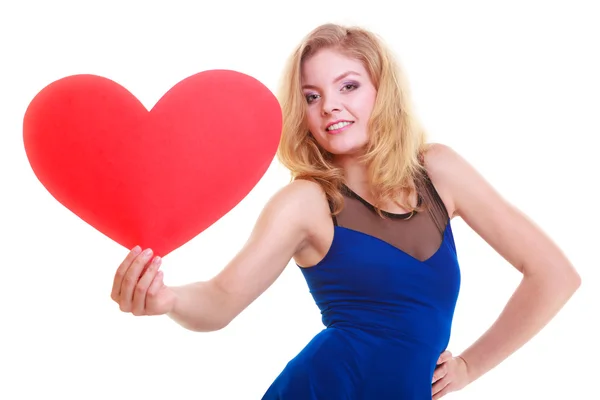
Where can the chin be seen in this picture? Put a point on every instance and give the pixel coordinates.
(346, 151)
(345, 147)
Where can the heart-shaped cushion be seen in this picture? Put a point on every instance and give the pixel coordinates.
(155, 178)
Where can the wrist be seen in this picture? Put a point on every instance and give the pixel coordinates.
(176, 303)
(467, 369)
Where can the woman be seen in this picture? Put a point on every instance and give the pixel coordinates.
(367, 219)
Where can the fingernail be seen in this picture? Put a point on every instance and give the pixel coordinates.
(147, 252)
(156, 260)
(136, 250)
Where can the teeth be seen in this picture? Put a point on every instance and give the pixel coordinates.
(339, 125)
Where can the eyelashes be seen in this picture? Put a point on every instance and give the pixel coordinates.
(351, 85)
(310, 97)
(346, 87)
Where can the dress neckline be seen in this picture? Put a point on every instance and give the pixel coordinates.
(370, 206)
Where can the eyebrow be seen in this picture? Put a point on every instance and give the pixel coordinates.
(337, 79)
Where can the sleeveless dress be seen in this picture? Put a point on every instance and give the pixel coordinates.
(387, 290)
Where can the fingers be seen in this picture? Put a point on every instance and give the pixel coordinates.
(130, 279)
(443, 376)
(441, 390)
(441, 369)
(439, 385)
(439, 373)
(155, 286)
(445, 356)
(121, 271)
(138, 306)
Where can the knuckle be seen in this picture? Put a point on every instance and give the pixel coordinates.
(129, 281)
(152, 292)
(140, 289)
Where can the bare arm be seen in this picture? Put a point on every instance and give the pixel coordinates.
(549, 279)
(282, 229)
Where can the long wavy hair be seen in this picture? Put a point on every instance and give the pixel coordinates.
(397, 141)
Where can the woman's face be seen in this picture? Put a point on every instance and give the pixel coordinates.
(340, 97)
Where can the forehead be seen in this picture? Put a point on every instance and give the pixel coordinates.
(326, 66)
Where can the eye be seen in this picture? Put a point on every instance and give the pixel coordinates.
(310, 98)
(349, 86)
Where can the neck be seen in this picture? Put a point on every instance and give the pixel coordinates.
(355, 172)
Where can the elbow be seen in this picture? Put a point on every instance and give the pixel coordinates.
(220, 324)
(214, 326)
(564, 280)
(218, 321)
(560, 278)
(575, 281)
(570, 285)
(569, 278)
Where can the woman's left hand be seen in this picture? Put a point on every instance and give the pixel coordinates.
(451, 374)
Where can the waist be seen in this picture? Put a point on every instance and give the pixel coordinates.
(428, 328)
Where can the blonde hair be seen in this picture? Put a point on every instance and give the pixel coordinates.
(396, 139)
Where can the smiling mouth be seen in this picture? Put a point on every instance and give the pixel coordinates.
(338, 126)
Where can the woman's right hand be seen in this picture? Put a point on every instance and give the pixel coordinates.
(138, 285)
(288, 224)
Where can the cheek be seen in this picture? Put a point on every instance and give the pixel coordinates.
(364, 105)
(366, 108)
(313, 120)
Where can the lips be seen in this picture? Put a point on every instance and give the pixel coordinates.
(336, 126)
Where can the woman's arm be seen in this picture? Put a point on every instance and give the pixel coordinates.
(282, 229)
(549, 279)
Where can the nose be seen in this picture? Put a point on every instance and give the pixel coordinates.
(330, 105)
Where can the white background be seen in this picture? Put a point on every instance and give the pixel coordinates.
(512, 86)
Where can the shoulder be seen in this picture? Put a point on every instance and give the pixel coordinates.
(300, 201)
(453, 176)
(300, 193)
(439, 160)
(297, 213)
(442, 161)
(468, 194)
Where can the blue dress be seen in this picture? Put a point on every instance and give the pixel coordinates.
(387, 290)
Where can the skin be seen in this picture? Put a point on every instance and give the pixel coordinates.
(295, 224)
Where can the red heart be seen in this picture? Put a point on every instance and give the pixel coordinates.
(155, 178)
